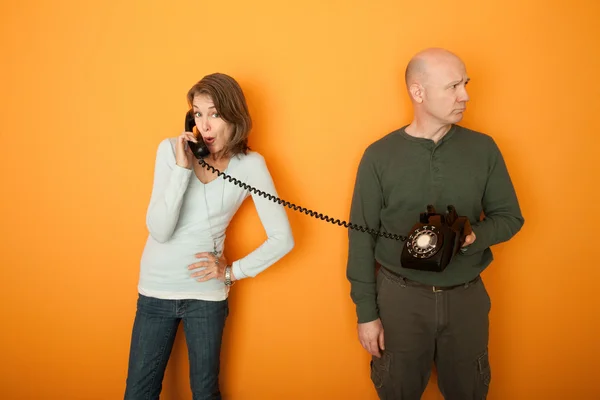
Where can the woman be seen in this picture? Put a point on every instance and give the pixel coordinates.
(184, 274)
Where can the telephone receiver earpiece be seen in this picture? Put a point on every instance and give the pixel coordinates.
(198, 149)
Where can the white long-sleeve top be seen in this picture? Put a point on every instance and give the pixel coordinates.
(185, 215)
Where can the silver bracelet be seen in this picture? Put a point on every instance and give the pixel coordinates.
(228, 281)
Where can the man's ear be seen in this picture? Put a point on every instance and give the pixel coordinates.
(416, 92)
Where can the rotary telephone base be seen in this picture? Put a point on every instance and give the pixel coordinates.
(430, 245)
(434, 240)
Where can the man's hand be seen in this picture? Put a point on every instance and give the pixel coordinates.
(370, 335)
(469, 239)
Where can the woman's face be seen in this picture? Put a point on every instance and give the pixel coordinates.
(214, 130)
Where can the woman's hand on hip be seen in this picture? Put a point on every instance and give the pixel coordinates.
(211, 268)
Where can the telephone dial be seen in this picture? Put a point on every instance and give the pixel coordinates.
(431, 244)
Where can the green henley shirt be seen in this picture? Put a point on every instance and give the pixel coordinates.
(398, 176)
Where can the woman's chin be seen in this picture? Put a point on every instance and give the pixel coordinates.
(215, 150)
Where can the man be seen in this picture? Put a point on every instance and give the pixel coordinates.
(409, 318)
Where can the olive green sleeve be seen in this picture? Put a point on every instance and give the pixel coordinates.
(367, 202)
(503, 218)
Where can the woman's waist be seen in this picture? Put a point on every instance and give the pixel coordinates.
(175, 281)
(167, 264)
(197, 231)
(174, 254)
(187, 240)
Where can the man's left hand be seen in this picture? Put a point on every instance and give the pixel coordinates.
(469, 239)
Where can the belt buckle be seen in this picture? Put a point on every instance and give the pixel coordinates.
(435, 290)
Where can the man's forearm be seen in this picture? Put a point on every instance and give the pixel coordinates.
(365, 211)
(503, 218)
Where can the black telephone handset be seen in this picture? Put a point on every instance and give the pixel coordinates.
(431, 244)
(198, 149)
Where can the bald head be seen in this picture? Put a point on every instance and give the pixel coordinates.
(436, 80)
(425, 63)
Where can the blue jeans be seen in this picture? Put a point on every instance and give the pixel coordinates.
(154, 331)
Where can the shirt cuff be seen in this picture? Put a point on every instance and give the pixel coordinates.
(182, 171)
(237, 271)
(366, 312)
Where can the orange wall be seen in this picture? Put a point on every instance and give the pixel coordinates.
(90, 88)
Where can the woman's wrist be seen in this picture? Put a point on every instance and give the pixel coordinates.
(229, 276)
(184, 166)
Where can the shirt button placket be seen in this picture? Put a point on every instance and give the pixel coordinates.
(435, 173)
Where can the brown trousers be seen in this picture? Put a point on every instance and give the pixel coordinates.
(422, 326)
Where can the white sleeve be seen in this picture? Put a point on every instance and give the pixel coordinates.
(170, 184)
(274, 219)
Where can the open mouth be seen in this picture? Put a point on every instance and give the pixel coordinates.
(209, 140)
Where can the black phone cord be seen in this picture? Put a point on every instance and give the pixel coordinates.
(298, 208)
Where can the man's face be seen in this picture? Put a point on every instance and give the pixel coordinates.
(445, 95)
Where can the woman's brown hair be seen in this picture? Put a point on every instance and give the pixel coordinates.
(230, 102)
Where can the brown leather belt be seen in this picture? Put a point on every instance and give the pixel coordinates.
(411, 282)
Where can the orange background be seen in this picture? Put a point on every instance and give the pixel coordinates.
(90, 88)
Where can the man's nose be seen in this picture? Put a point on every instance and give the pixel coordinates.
(463, 96)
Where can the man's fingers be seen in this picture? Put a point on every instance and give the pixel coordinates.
(381, 341)
(374, 349)
(363, 344)
(469, 239)
(372, 346)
